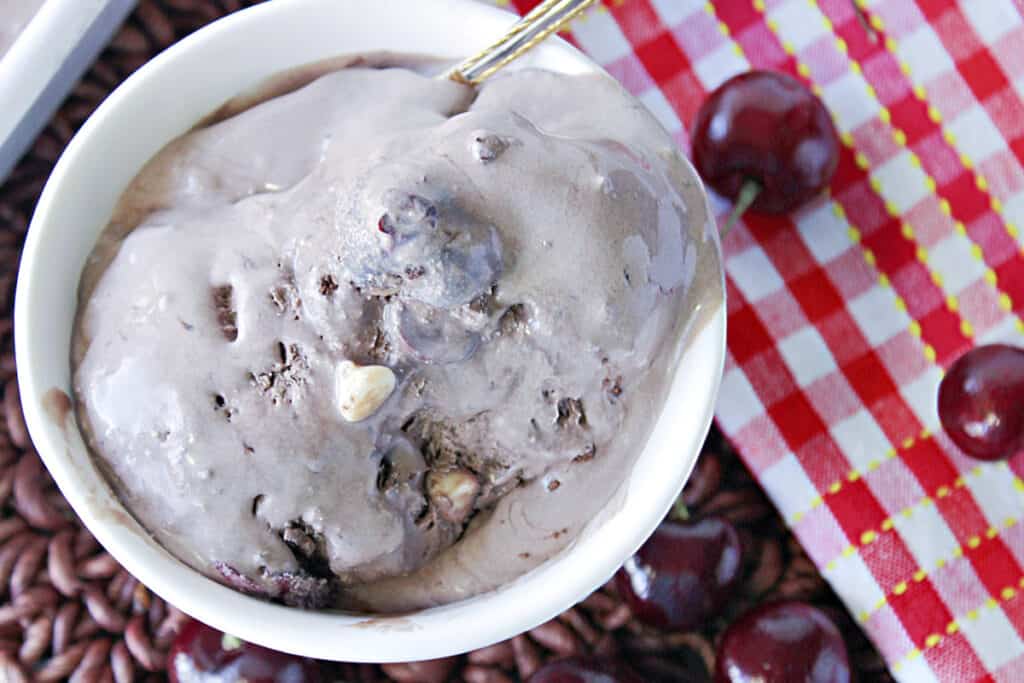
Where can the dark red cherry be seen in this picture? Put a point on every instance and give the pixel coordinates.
(981, 402)
(585, 670)
(683, 574)
(765, 127)
(201, 654)
(782, 642)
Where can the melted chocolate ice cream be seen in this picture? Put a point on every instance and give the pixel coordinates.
(377, 340)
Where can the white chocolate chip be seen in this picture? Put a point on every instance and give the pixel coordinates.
(229, 642)
(453, 493)
(362, 389)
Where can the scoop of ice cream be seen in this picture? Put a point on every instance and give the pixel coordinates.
(334, 345)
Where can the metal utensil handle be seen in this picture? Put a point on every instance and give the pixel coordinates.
(542, 21)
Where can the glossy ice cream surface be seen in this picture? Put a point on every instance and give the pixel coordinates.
(376, 340)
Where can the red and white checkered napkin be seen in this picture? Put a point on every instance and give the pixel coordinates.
(843, 316)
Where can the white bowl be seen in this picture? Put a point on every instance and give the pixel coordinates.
(45, 61)
(163, 100)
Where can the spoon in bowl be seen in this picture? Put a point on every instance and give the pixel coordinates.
(532, 29)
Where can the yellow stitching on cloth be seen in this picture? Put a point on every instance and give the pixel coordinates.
(935, 639)
(899, 136)
(928, 350)
(920, 574)
(888, 524)
(952, 303)
(837, 209)
(980, 181)
(854, 475)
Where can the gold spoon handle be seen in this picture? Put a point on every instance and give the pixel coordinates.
(542, 21)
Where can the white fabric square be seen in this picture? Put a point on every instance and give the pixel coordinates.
(600, 37)
(848, 100)
(976, 134)
(951, 258)
(877, 316)
(1003, 332)
(798, 22)
(754, 274)
(788, 485)
(719, 65)
(924, 54)
(661, 109)
(901, 182)
(673, 12)
(859, 587)
(992, 637)
(991, 19)
(807, 355)
(824, 233)
(927, 535)
(995, 494)
(738, 403)
(860, 439)
(916, 670)
(1013, 208)
(920, 396)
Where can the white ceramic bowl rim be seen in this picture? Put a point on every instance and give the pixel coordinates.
(161, 101)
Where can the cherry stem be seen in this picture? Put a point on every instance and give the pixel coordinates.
(862, 18)
(680, 512)
(748, 193)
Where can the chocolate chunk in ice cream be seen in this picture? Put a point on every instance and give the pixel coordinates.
(381, 341)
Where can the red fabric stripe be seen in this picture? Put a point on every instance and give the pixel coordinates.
(994, 565)
(858, 41)
(971, 202)
(930, 465)
(893, 253)
(662, 58)
(992, 562)
(911, 116)
(921, 611)
(967, 201)
(963, 516)
(737, 15)
(870, 380)
(983, 74)
(955, 657)
(824, 307)
(848, 174)
(933, 9)
(798, 422)
(795, 418)
(888, 559)
(750, 337)
(942, 326)
(857, 510)
(927, 614)
(638, 21)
